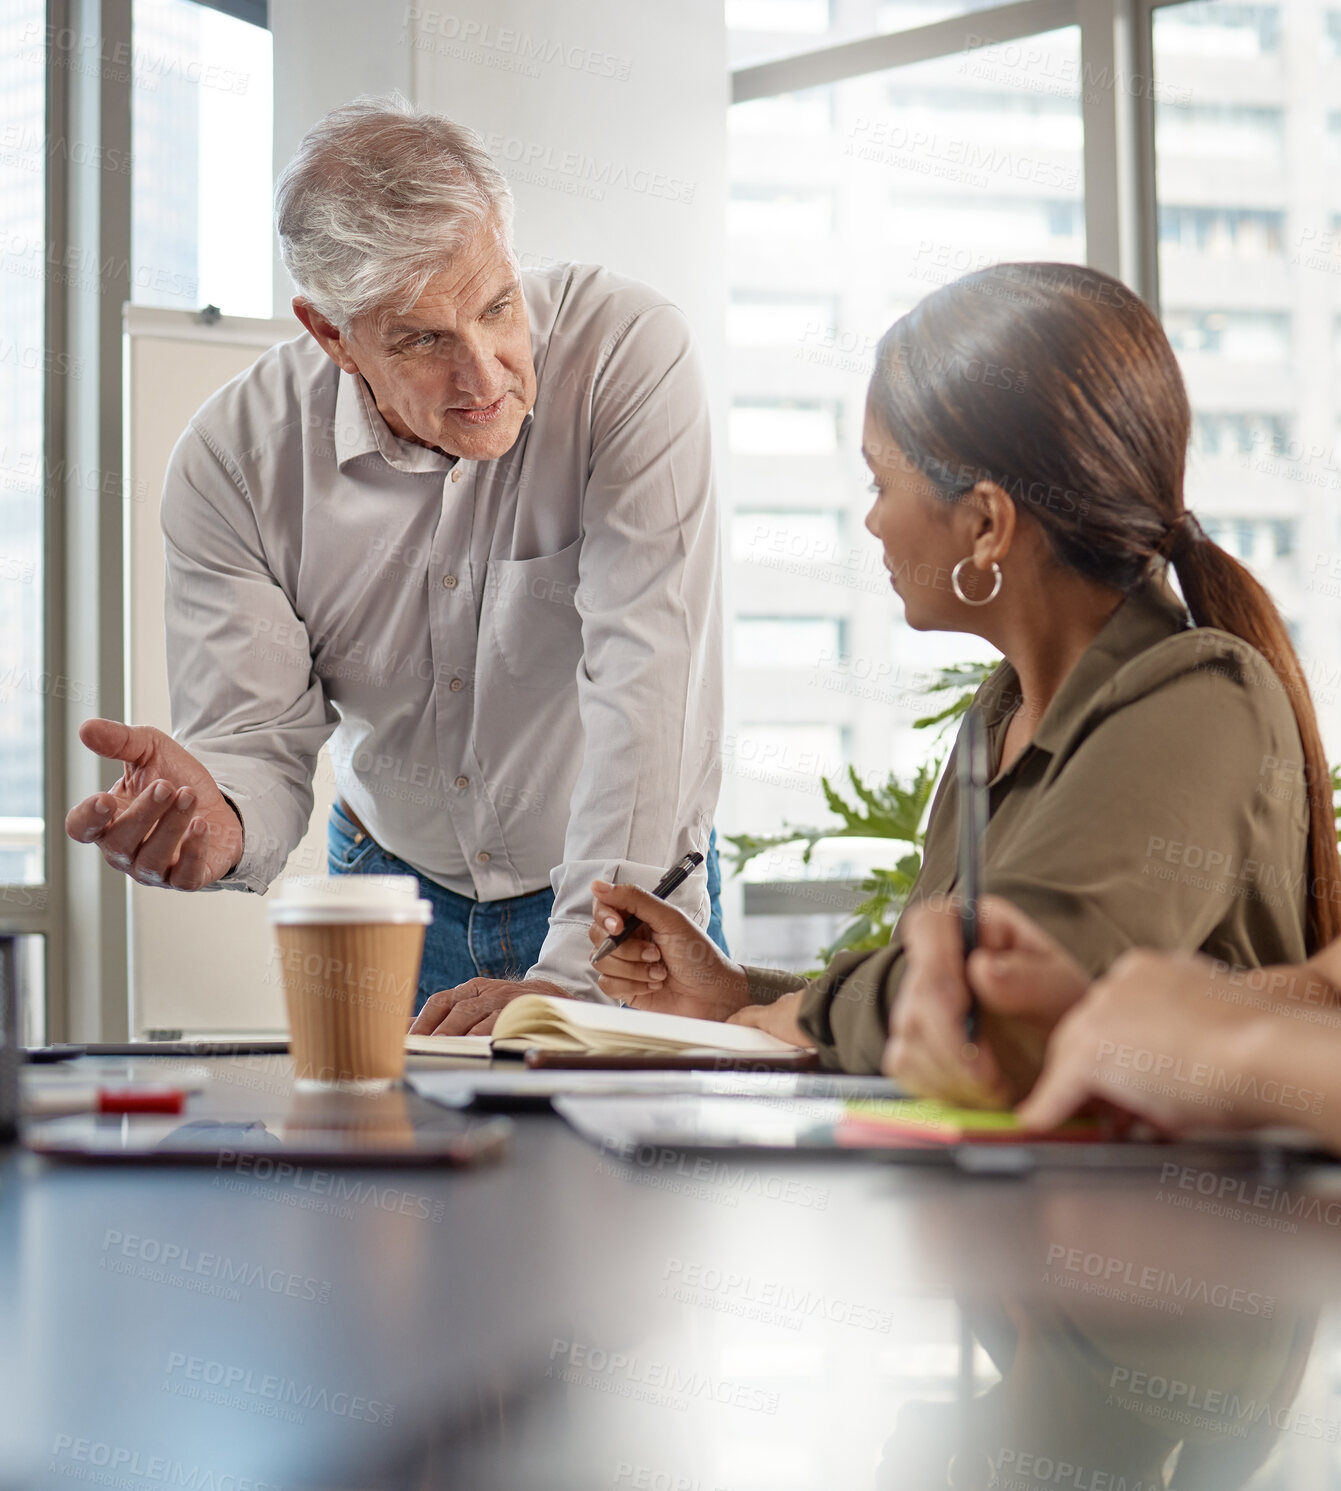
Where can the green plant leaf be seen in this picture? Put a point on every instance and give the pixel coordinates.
(966, 679)
(893, 809)
(969, 676)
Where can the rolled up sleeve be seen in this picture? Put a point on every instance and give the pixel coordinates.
(649, 684)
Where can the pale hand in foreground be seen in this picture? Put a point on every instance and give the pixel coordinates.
(669, 965)
(1173, 1039)
(471, 1008)
(1024, 982)
(165, 822)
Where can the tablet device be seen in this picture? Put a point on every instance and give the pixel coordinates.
(250, 1147)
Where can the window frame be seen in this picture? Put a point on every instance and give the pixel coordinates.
(87, 220)
(1119, 124)
(1117, 162)
(81, 907)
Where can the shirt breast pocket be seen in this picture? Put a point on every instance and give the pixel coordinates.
(530, 620)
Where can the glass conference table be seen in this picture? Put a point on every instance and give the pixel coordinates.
(565, 1318)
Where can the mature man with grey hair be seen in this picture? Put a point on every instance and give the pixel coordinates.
(464, 530)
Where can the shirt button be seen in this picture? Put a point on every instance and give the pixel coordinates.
(484, 856)
(463, 783)
(449, 582)
(457, 473)
(456, 685)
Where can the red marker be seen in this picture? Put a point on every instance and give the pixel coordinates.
(52, 1102)
(141, 1100)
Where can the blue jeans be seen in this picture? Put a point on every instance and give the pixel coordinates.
(474, 939)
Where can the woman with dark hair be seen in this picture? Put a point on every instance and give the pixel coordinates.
(1027, 431)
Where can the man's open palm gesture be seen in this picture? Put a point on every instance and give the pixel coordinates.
(165, 822)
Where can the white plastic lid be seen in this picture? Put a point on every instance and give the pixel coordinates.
(331, 899)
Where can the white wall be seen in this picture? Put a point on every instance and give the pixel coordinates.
(616, 147)
(563, 91)
(327, 52)
(196, 962)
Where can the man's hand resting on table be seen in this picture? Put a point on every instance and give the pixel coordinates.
(669, 965)
(165, 822)
(471, 1008)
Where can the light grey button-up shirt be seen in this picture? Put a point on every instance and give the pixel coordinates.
(517, 662)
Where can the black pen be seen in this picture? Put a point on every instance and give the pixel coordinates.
(670, 881)
(971, 778)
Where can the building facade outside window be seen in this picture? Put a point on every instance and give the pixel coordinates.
(851, 200)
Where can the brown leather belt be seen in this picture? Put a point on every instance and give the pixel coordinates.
(353, 818)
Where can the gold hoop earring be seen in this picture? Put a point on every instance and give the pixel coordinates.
(958, 588)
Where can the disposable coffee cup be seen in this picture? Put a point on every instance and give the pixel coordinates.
(349, 949)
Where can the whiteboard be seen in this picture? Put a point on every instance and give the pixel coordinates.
(197, 962)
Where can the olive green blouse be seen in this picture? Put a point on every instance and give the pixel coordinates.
(1160, 804)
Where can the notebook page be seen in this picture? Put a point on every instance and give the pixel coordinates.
(534, 1014)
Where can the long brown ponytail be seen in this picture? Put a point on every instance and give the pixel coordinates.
(1057, 383)
(1222, 593)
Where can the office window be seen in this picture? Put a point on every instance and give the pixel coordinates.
(762, 30)
(774, 770)
(24, 683)
(201, 130)
(1018, 228)
(806, 749)
(783, 427)
(1241, 434)
(1230, 130)
(1220, 31)
(803, 18)
(1042, 116)
(778, 214)
(786, 320)
(1250, 292)
(788, 641)
(1235, 336)
(778, 539)
(783, 113)
(1221, 232)
(927, 172)
(1256, 541)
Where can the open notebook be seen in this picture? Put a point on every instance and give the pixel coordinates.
(575, 1025)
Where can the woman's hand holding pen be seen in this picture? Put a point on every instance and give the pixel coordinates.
(927, 1050)
(1024, 982)
(669, 964)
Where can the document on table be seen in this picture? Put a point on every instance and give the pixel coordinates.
(906, 1130)
(505, 1086)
